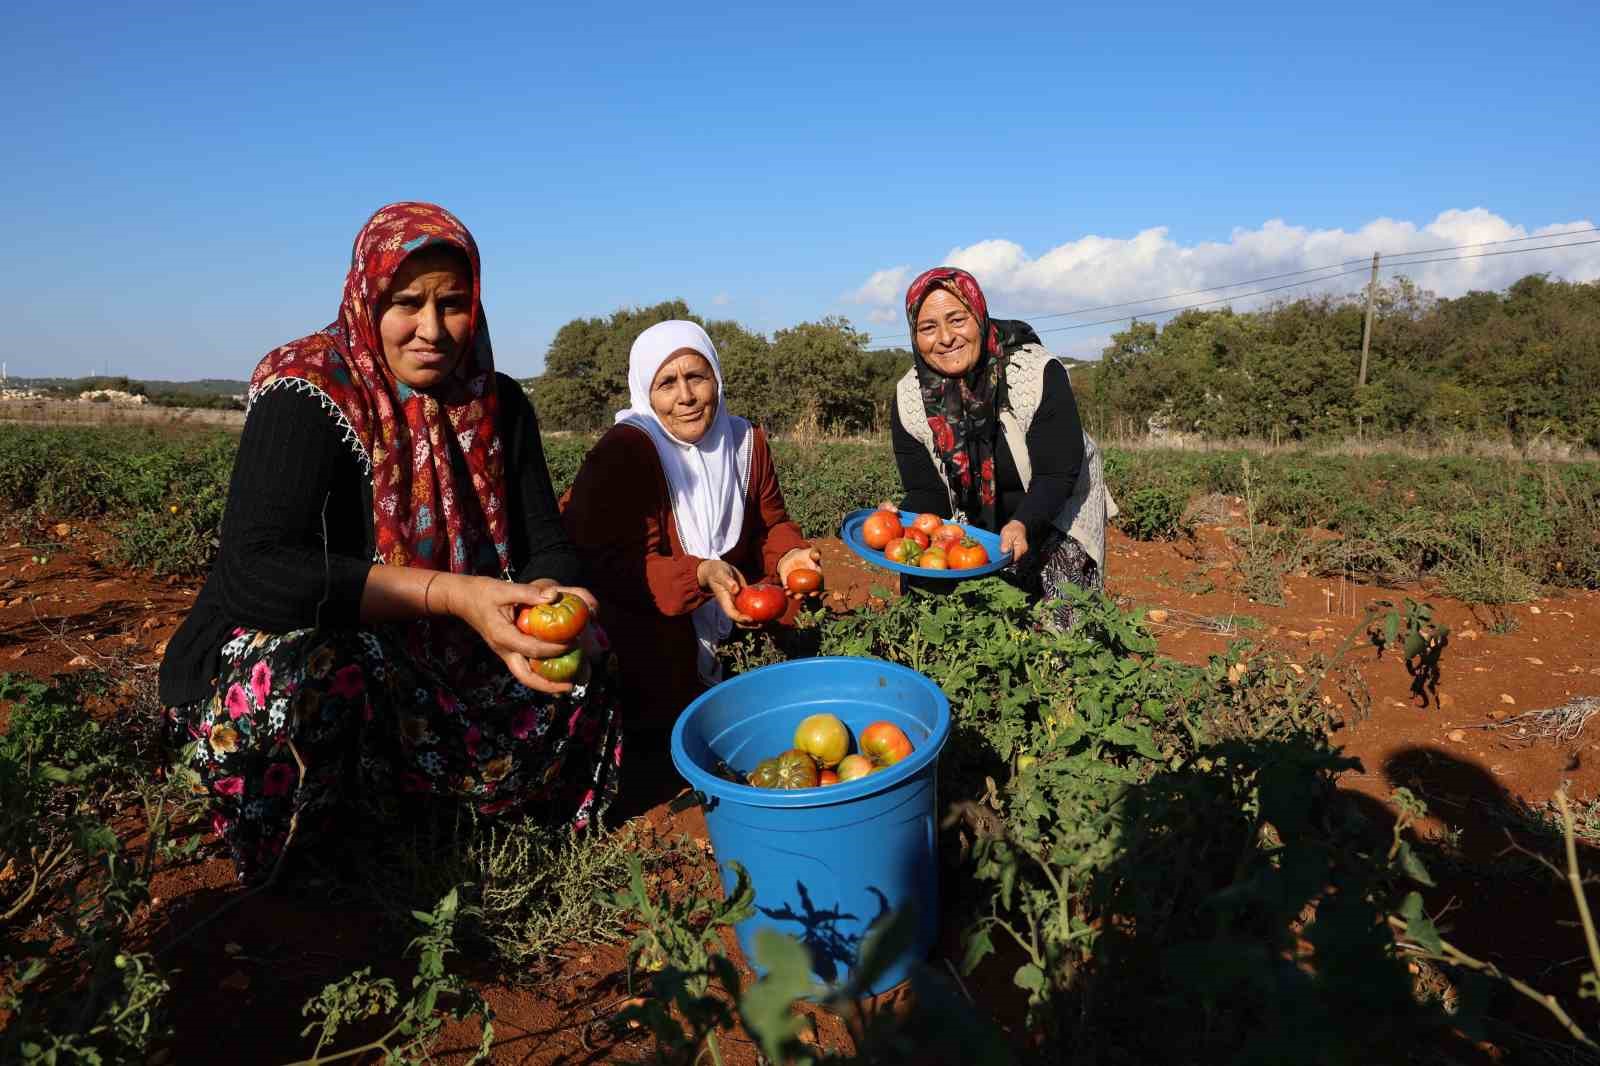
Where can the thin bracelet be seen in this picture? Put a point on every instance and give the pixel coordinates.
(426, 613)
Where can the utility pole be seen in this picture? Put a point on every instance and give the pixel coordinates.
(1366, 332)
(1366, 342)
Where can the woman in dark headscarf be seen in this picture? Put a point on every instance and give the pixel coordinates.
(390, 510)
(986, 431)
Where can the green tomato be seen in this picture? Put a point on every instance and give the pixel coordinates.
(562, 667)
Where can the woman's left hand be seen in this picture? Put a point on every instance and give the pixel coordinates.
(1014, 539)
(797, 559)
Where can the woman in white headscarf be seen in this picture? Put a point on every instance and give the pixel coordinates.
(674, 511)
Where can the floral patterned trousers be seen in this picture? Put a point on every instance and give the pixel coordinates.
(1059, 561)
(312, 726)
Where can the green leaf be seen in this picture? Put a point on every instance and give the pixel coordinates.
(1030, 978)
(1419, 926)
(767, 1007)
(1411, 865)
(979, 946)
(886, 942)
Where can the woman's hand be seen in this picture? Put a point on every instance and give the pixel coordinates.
(723, 581)
(1014, 539)
(490, 607)
(797, 559)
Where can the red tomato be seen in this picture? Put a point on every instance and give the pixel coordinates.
(823, 737)
(827, 777)
(854, 766)
(884, 743)
(804, 579)
(761, 602)
(967, 554)
(934, 559)
(948, 534)
(880, 528)
(902, 550)
(557, 622)
(927, 522)
(919, 536)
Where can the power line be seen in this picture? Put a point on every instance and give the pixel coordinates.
(1308, 281)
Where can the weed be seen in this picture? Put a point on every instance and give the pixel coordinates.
(1155, 513)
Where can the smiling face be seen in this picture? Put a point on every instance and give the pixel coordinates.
(683, 395)
(948, 335)
(425, 319)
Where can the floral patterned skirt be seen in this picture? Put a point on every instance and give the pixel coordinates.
(1059, 561)
(312, 726)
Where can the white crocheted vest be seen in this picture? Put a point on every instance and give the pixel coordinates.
(1083, 517)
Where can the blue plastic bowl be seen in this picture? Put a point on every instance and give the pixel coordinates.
(850, 533)
(826, 862)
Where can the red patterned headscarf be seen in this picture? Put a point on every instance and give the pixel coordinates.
(963, 412)
(436, 459)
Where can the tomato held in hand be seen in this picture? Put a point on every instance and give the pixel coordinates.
(561, 668)
(559, 622)
(933, 559)
(880, 528)
(966, 555)
(948, 534)
(927, 522)
(884, 743)
(902, 550)
(760, 602)
(804, 580)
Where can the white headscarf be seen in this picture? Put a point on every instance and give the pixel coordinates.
(707, 480)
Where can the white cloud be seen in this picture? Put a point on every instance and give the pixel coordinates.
(1094, 270)
(721, 299)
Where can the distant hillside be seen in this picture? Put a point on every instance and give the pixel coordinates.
(201, 387)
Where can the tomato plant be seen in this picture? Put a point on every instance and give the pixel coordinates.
(558, 623)
(902, 550)
(760, 602)
(966, 555)
(804, 579)
(823, 737)
(880, 528)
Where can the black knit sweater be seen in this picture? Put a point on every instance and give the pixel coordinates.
(297, 536)
(1055, 450)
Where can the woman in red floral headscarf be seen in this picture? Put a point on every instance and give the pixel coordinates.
(390, 509)
(986, 431)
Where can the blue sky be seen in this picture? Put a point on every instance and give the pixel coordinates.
(185, 180)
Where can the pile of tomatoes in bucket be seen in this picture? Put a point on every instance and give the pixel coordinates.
(821, 754)
(929, 542)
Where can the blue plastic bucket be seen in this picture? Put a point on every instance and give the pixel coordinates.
(826, 862)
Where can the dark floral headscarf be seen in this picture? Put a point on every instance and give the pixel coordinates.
(963, 412)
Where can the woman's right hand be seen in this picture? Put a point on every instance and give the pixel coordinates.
(723, 581)
(490, 605)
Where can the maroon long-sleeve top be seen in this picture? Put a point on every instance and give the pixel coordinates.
(618, 514)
